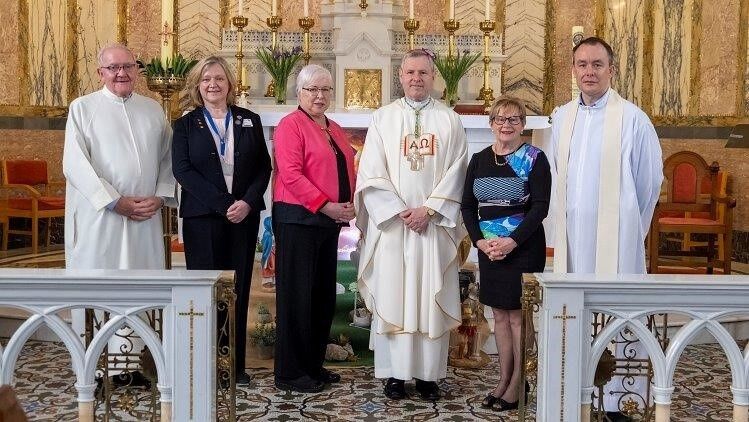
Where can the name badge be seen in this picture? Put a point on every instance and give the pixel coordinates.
(246, 123)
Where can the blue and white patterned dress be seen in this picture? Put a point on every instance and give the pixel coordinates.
(507, 196)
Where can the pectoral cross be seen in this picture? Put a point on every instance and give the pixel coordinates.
(192, 314)
(564, 317)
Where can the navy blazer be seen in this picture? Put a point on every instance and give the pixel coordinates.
(197, 166)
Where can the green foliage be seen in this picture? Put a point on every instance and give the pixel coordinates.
(452, 69)
(263, 335)
(177, 66)
(279, 62)
(262, 308)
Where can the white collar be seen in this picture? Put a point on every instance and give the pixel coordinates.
(113, 96)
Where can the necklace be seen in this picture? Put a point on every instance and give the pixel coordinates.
(417, 110)
(329, 136)
(497, 161)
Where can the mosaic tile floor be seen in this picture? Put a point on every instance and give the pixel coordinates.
(45, 388)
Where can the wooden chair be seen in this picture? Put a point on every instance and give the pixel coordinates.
(686, 211)
(28, 193)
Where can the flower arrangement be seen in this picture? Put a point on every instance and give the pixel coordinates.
(452, 70)
(263, 335)
(178, 66)
(279, 62)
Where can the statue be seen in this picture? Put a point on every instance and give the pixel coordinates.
(467, 339)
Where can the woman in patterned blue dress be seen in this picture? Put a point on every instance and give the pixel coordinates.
(505, 199)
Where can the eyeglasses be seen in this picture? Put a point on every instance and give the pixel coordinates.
(514, 120)
(114, 68)
(315, 91)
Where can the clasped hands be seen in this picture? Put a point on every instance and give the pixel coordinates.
(138, 208)
(498, 248)
(416, 219)
(340, 212)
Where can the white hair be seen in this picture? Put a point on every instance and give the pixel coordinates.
(113, 46)
(310, 72)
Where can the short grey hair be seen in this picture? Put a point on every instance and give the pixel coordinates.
(419, 52)
(114, 46)
(310, 72)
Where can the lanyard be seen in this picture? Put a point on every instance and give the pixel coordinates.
(221, 139)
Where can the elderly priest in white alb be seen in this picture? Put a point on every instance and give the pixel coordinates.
(117, 164)
(407, 199)
(609, 173)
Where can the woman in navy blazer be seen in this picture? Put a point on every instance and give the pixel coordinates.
(220, 159)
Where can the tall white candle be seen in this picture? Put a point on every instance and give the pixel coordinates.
(167, 19)
(240, 7)
(487, 9)
(451, 10)
(411, 9)
(274, 8)
(306, 8)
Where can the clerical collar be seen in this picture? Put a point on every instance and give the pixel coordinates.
(599, 103)
(417, 105)
(114, 96)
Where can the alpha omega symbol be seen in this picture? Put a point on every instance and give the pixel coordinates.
(415, 149)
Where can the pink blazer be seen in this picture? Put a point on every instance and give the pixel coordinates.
(306, 171)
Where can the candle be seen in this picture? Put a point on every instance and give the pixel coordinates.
(243, 82)
(240, 7)
(274, 8)
(450, 10)
(487, 9)
(411, 9)
(306, 8)
(167, 17)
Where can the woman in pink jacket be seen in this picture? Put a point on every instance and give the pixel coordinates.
(312, 197)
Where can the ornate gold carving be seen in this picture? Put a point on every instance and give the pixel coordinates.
(73, 32)
(530, 300)
(564, 317)
(192, 314)
(695, 73)
(362, 88)
(741, 59)
(226, 398)
(648, 46)
(630, 407)
(549, 52)
(123, 16)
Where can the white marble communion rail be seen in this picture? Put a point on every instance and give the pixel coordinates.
(185, 359)
(568, 358)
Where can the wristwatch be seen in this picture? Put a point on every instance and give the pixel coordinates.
(430, 212)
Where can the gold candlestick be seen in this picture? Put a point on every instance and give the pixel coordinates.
(451, 26)
(240, 22)
(486, 93)
(306, 23)
(411, 26)
(274, 22)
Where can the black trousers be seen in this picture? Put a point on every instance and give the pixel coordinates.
(306, 260)
(214, 243)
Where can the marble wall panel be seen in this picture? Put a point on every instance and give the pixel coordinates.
(10, 64)
(144, 25)
(35, 145)
(745, 112)
(199, 27)
(524, 45)
(672, 52)
(568, 13)
(718, 73)
(624, 21)
(48, 52)
(469, 13)
(97, 28)
(734, 161)
(257, 11)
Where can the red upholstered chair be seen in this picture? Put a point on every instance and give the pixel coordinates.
(687, 210)
(28, 193)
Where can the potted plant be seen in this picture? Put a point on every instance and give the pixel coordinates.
(452, 69)
(279, 62)
(263, 339)
(263, 314)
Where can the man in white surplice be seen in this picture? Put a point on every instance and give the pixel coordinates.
(407, 199)
(609, 173)
(117, 164)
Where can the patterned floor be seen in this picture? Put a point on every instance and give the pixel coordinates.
(45, 389)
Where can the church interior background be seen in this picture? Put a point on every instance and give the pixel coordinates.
(684, 62)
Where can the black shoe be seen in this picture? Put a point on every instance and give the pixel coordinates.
(303, 384)
(501, 405)
(130, 379)
(244, 378)
(489, 401)
(395, 389)
(428, 390)
(618, 417)
(328, 377)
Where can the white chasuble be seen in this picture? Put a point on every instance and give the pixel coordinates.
(114, 147)
(410, 281)
(638, 179)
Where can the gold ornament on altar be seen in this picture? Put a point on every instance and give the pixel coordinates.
(467, 339)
